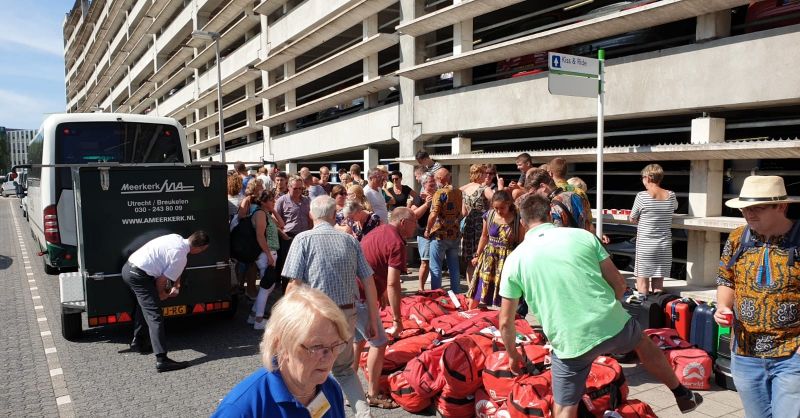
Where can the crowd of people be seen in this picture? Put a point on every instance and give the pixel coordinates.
(338, 251)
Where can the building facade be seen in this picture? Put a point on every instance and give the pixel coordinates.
(709, 88)
(18, 140)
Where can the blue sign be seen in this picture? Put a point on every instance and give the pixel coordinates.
(556, 61)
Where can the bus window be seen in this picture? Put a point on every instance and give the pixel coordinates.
(123, 142)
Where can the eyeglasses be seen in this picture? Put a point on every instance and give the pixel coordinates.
(341, 194)
(396, 179)
(320, 351)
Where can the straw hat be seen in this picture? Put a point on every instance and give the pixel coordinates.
(760, 190)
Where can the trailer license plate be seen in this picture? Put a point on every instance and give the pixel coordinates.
(175, 310)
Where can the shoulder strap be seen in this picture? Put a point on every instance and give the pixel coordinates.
(491, 216)
(744, 244)
(571, 219)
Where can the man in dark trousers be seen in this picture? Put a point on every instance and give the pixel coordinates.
(154, 271)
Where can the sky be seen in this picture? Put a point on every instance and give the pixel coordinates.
(31, 61)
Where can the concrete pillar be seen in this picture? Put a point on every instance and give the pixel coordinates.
(291, 168)
(370, 63)
(250, 113)
(713, 25)
(462, 42)
(705, 199)
(460, 173)
(370, 160)
(410, 55)
(290, 98)
(212, 129)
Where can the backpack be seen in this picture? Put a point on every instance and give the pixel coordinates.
(401, 352)
(405, 395)
(635, 408)
(244, 243)
(691, 365)
(425, 311)
(748, 241)
(498, 380)
(531, 396)
(606, 388)
(423, 373)
(463, 362)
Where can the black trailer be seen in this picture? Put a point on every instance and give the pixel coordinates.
(121, 207)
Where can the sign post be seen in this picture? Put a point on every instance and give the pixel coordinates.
(572, 75)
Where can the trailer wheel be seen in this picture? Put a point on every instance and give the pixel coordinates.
(71, 327)
(48, 269)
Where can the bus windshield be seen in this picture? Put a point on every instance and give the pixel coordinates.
(122, 142)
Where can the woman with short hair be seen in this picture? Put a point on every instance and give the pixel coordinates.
(306, 333)
(401, 193)
(266, 223)
(339, 194)
(358, 221)
(652, 212)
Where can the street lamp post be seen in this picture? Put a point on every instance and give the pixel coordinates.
(214, 36)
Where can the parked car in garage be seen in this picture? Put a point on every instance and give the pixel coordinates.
(9, 189)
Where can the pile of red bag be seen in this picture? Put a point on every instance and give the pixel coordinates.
(454, 361)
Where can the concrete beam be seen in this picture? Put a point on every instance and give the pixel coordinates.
(451, 15)
(647, 16)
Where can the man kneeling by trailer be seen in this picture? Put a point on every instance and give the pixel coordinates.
(154, 271)
(572, 287)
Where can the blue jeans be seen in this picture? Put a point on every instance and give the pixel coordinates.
(768, 387)
(442, 249)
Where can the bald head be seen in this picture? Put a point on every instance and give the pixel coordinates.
(442, 176)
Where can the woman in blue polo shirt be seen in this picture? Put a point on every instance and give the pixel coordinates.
(306, 333)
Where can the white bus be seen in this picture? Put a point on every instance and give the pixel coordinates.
(83, 138)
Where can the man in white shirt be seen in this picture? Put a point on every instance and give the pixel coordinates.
(154, 271)
(376, 179)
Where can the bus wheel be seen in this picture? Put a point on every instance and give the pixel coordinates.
(48, 269)
(71, 327)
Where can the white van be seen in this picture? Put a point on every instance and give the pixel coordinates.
(84, 138)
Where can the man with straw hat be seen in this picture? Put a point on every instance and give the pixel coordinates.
(758, 294)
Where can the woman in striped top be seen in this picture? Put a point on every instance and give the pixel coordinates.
(652, 212)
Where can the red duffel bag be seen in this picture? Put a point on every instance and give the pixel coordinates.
(463, 362)
(692, 366)
(423, 372)
(405, 395)
(426, 311)
(497, 376)
(605, 387)
(479, 321)
(401, 352)
(407, 303)
(531, 396)
(450, 405)
(635, 408)
(485, 406)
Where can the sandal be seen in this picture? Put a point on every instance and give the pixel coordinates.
(382, 401)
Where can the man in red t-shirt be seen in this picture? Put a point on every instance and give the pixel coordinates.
(385, 250)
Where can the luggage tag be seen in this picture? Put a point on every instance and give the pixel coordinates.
(453, 297)
(318, 406)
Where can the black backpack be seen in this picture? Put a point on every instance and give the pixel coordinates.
(244, 244)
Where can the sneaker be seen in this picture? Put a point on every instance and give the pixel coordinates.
(260, 325)
(689, 403)
(251, 319)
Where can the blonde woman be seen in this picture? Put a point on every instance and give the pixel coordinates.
(356, 192)
(652, 212)
(306, 332)
(476, 202)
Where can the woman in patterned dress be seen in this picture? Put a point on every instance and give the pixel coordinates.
(476, 202)
(502, 232)
(358, 222)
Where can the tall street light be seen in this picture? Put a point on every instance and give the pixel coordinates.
(214, 36)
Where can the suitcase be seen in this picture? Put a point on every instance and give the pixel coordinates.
(704, 328)
(722, 374)
(724, 347)
(679, 316)
(650, 313)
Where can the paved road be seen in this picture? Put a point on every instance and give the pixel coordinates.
(46, 375)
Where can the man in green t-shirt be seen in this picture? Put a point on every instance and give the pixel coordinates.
(573, 288)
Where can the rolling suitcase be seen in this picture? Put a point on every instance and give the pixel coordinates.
(722, 374)
(724, 347)
(704, 329)
(650, 313)
(679, 316)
